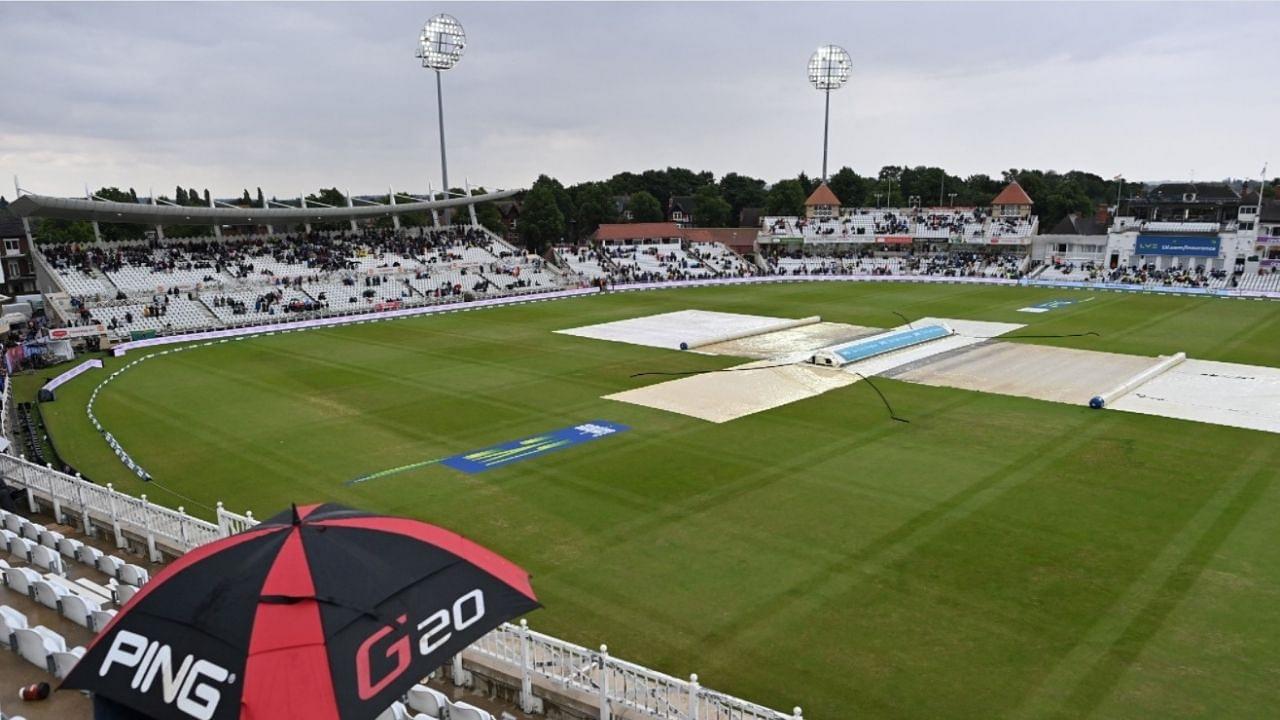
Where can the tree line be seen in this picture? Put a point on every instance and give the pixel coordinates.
(551, 212)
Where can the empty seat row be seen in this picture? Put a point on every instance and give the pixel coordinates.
(50, 548)
(30, 551)
(38, 645)
(78, 603)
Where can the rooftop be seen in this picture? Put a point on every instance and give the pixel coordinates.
(1013, 194)
(822, 196)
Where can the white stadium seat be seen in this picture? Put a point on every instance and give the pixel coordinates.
(100, 619)
(20, 579)
(70, 548)
(62, 662)
(466, 711)
(79, 610)
(397, 711)
(133, 575)
(109, 565)
(50, 539)
(13, 522)
(38, 644)
(48, 594)
(10, 620)
(428, 701)
(47, 558)
(31, 531)
(125, 593)
(88, 555)
(21, 548)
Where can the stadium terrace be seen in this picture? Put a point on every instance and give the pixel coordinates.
(1202, 238)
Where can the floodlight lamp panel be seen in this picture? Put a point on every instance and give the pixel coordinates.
(441, 42)
(829, 67)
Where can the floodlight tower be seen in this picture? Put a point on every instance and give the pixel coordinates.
(829, 68)
(440, 47)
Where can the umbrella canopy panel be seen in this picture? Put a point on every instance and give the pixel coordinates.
(325, 612)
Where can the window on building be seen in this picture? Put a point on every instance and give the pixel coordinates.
(13, 269)
(12, 245)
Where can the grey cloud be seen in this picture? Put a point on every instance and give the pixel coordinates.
(293, 96)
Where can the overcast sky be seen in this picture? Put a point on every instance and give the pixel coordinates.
(291, 97)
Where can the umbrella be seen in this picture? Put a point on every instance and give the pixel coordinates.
(321, 612)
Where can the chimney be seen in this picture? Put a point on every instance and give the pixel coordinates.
(1103, 216)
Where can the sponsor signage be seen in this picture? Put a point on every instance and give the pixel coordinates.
(1045, 307)
(891, 341)
(1183, 245)
(531, 447)
(895, 239)
(67, 333)
(193, 686)
(72, 373)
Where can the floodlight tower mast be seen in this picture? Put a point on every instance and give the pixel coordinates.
(829, 68)
(440, 47)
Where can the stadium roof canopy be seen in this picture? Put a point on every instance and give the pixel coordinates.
(43, 206)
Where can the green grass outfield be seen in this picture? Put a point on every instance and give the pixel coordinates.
(996, 557)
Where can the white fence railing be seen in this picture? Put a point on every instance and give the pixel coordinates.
(6, 407)
(617, 688)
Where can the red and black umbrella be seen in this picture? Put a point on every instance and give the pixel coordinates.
(321, 612)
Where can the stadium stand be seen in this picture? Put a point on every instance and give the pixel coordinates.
(1261, 280)
(1191, 276)
(584, 262)
(871, 225)
(174, 286)
(719, 259)
(951, 264)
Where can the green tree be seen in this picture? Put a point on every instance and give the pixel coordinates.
(979, 190)
(328, 196)
(786, 197)
(644, 207)
(850, 187)
(563, 201)
(709, 209)
(741, 191)
(890, 185)
(594, 208)
(112, 232)
(488, 215)
(541, 221)
(806, 183)
(54, 230)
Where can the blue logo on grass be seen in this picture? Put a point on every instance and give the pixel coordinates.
(530, 447)
(1045, 307)
(1054, 304)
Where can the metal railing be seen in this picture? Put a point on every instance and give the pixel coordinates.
(6, 406)
(617, 688)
